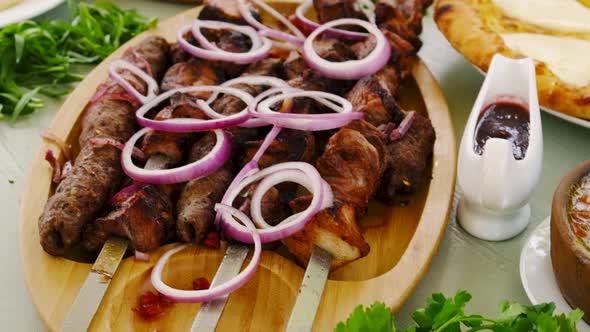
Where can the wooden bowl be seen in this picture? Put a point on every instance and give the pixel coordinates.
(571, 259)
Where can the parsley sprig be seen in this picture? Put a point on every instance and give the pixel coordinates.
(442, 314)
(41, 57)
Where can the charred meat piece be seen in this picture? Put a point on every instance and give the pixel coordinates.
(403, 54)
(374, 96)
(302, 77)
(190, 74)
(333, 49)
(412, 10)
(181, 74)
(150, 55)
(223, 10)
(352, 165)
(172, 145)
(144, 215)
(97, 172)
(195, 207)
(229, 104)
(329, 10)
(375, 137)
(79, 197)
(230, 41)
(290, 145)
(333, 229)
(274, 209)
(404, 20)
(227, 40)
(407, 160)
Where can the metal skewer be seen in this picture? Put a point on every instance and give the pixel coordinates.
(210, 312)
(310, 292)
(92, 291)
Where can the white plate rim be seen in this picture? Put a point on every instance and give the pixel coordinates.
(550, 282)
(25, 10)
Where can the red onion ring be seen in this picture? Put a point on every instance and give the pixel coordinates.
(102, 141)
(152, 85)
(308, 122)
(352, 69)
(274, 132)
(309, 25)
(293, 175)
(203, 295)
(401, 130)
(186, 125)
(296, 38)
(292, 224)
(250, 80)
(200, 168)
(260, 46)
(54, 163)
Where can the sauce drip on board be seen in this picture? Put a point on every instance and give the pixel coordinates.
(506, 120)
(579, 210)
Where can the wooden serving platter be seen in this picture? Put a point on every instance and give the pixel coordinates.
(403, 239)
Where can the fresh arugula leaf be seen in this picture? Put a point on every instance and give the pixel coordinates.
(38, 57)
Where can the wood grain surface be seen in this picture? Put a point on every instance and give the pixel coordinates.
(403, 239)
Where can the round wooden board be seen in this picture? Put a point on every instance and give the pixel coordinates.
(403, 239)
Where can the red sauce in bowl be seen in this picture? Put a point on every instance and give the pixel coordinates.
(579, 210)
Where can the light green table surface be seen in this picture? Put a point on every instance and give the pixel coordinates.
(488, 270)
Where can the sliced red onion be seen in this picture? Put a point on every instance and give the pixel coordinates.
(308, 122)
(290, 175)
(386, 129)
(285, 107)
(204, 295)
(352, 69)
(250, 80)
(290, 225)
(185, 125)
(141, 256)
(61, 144)
(152, 85)
(200, 168)
(250, 168)
(309, 25)
(274, 132)
(404, 126)
(103, 141)
(54, 163)
(260, 46)
(296, 38)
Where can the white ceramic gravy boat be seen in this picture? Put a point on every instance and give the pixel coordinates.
(496, 186)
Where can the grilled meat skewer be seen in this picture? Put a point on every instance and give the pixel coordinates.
(96, 173)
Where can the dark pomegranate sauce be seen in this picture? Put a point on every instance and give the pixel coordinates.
(507, 120)
(579, 210)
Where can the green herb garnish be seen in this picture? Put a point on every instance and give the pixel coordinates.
(38, 57)
(443, 314)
